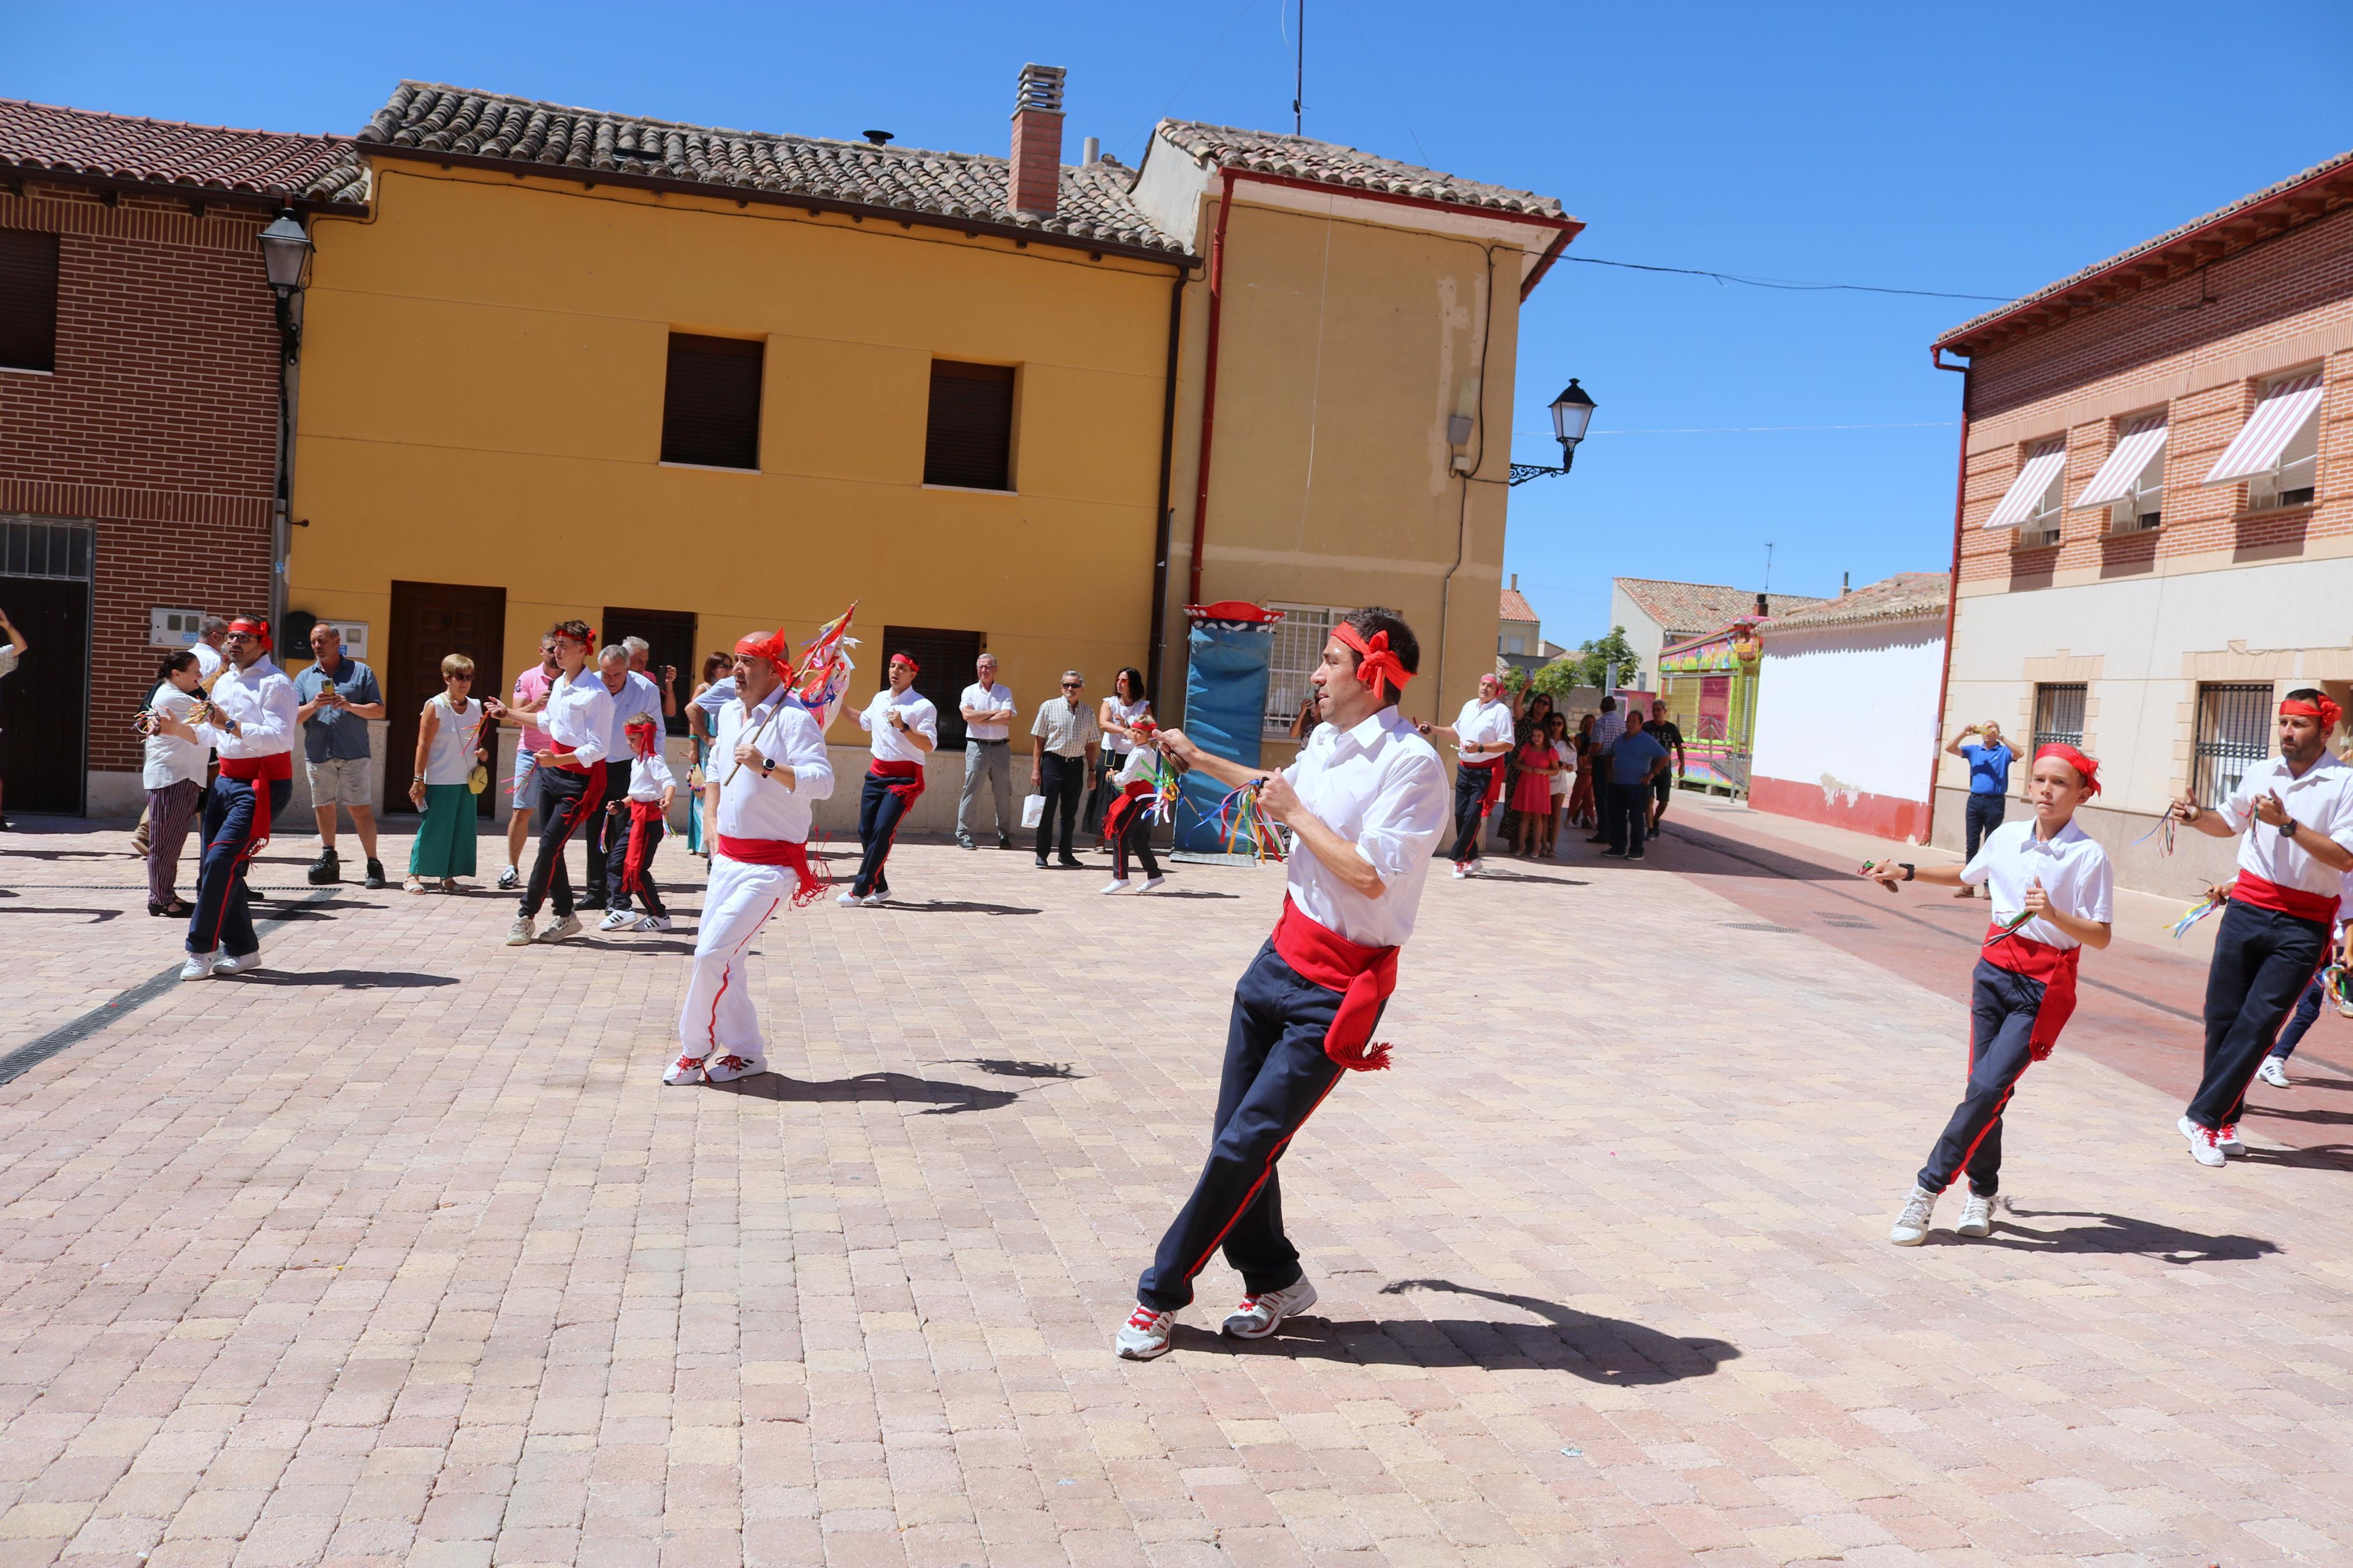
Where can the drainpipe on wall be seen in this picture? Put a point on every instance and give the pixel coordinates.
(1952, 596)
(1209, 380)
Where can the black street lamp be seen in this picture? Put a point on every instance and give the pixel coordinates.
(285, 254)
(1572, 411)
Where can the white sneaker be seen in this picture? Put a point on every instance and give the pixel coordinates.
(199, 965)
(849, 900)
(519, 934)
(1976, 1217)
(1145, 1334)
(686, 1069)
(568, 926)
(2274, 1072)
(227, 965)
(872, 900)
(2226, 1138)
(1116, 885)
(509, 879)
(2203, 1147)
(1152, 884)
(614, 920)
(1259, 1315)
(652, 922)
(729, 1068)
(1911, 1224)
(1460, 873)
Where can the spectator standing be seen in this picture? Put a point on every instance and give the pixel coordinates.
(529, 696)
(448, 745)
(1582, 812)
(1990, 762)
(1635, 760)
(1663, 730)
(1062, 744)
(717, 667)
(988, 712)
(665, 680)
(338, 697)
(1117, 715)
(1563, 752)
(1606, 731)
(206, 652)
(906, 730)
(174, 778)
(1310, 714)
(609, 831)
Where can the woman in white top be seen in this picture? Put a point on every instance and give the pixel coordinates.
(449, 749)
(1117, 715)
(174, 778)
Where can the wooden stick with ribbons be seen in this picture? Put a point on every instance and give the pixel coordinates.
(820, 661)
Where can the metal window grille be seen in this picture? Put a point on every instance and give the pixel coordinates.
(2058, 720)
(37, 547)
(1299, 639)
(2233, 731)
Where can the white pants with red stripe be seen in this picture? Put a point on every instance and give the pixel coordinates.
(719, 1017)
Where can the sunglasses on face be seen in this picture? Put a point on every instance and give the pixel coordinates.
(1073, 685)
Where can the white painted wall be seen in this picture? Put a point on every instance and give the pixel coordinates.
(1858, 703)
(1643, 635)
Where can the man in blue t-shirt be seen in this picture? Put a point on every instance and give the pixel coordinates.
(1990, 762)
(1635, 759)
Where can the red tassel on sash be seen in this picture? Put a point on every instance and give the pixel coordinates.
(260, 773)
(1364, 977)
(910, 788)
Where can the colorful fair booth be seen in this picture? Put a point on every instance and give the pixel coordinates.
(1229, 661)
(1709, 684)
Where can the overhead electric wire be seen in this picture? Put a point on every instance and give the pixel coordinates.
(1789, 284)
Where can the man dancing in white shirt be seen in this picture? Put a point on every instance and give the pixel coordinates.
(1481, 734)
(905, 727)
(1366, 803)
(768, 767)
(250, 721)
(578, 719)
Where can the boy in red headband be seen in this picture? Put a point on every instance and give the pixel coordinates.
(2052, 891)
(1128, 822)
(643, 814)
(2297, 811)
(905, 727)
(1367, 801)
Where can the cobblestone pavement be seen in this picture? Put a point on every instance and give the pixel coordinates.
(397, 1251)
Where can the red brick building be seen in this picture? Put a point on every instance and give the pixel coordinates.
(138, 414)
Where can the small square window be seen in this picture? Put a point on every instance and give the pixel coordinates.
(28, 300)
(711, 405)
(968, 427)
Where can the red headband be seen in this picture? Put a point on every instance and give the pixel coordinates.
(909, 660)
(2085, 766)
(640, 732)
(770, 645)
(260, 630)
(588, 642)
(1374, 662)
(2326, 712)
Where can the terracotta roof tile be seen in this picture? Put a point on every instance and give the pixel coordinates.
(1695, 607)
(1906, 596)
(1329, 163)
(1516, 607)
(1094, 204)
(39, 138)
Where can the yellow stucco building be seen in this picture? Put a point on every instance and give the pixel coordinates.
(688, 382)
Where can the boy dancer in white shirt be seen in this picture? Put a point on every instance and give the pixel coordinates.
(905, 727)
(2050, 873)
(1128, 822)
(767, 768)
(643, 818)
(1367, 801)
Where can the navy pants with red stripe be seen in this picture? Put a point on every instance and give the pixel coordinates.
(2263, 962)
(880, 808)
(2004, 1007)
(224, 917)
(1276, 1075)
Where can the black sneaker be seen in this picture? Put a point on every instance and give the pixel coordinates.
(1003, 842)
(967, 844)
(326, 870)
(1041, 862)
(1071, 863)
(374, 872)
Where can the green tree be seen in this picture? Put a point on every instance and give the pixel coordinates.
(1596, 655)
(1559, 678)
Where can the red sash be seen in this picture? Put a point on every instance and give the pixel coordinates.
(642, 815)
(1494, 771)
(910, 788)
(1364, 977)
(258, 771)
(2256, 893)
(776, 852)
(2055, 967)
(1117, 817)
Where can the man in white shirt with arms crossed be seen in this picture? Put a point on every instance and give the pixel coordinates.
(988, 712)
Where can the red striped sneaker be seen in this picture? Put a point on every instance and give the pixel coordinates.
(1144, 1335)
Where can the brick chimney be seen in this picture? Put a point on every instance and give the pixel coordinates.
(1038, 141)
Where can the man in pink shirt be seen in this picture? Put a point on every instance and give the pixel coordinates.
(529, 696)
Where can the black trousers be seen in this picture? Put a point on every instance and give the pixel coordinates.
(1276, 1075)
(1470, 789)
(1134, 838)
(1984, 815)
(570, 798)
(2263, 962)
(1063, 782)
(617, 863)
(2002, 1009)
(1626, 816)
(878, 811)
(223, 915)
(607, 833)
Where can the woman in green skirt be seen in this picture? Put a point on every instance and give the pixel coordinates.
(448, 750)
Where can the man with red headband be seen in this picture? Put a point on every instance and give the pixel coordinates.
(2297, 811)
(2052, 896)
(905, 727)
(767, 768)
(250, 721)
(1481, 734)
(1366, 803)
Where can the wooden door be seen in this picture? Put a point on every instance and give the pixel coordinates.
(431, 621)
(44, 706)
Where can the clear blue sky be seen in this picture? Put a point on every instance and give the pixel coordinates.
(1982, 149)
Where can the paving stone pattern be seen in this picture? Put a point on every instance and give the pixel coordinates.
(398, 1252)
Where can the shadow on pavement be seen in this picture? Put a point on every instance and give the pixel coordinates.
(97, 917)
(956, 907)
(2120, 1235)
(1192, 893)
(1005, 1066)
(1531, 877)
(942, 1097)
(2319, 1157)
(349, 979)
(1598, 1349)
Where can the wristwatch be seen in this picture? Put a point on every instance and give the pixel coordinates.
(767, 766)
(2287, 829)
(1909, 871)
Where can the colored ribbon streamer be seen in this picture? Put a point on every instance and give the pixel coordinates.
(2199, 911)
(1242, 831)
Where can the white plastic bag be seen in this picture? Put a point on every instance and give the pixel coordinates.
(1033, 810)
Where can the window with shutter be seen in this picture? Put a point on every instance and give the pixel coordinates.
(968, 435)
(670, 640)
(28, 300)
(943, 661)
(711, 410)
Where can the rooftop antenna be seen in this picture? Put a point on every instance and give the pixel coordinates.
(1768, 565)
(1299, 76)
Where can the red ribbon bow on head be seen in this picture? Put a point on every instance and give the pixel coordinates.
(2086, 766)
(1374, 662)
(641, 732)
(2326, 712)
(770, 645)
(257, 630)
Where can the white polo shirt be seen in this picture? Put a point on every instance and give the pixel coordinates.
(578, 717)
(1489, 723)
(1382, 787)
(984, 699)
(2322, 800)
(890, 746)
(260, 700)
(2073, 868)
(752, 806)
